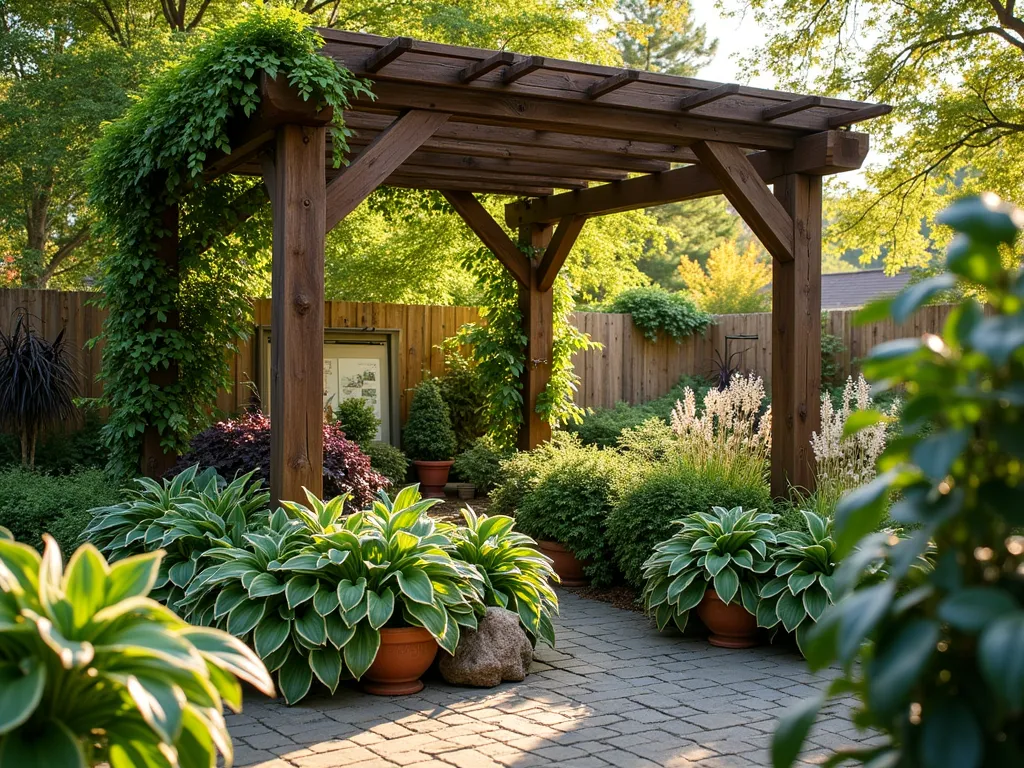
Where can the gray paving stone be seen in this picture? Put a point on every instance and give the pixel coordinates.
(614, 693)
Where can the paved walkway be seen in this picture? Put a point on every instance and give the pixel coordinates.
(615, 692)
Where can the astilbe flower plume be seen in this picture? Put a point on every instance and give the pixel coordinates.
(844, 463)
(730, 437)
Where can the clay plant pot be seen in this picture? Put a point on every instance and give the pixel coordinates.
(405, 654)
(730, 625)
(568, 567)
(467, 492)
(433, 477)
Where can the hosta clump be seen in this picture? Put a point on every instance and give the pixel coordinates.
(93, 671)
(312, 591)
(515, 574)
(935, 656)
(804, 584)
(185, 516)
(726, 550)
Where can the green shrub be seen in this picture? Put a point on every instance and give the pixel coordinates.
(388, 461)
(428, 431)
(481, 464)
(462, 389)
(646, 508)
(651, 441)
(656, 310)
(357, 420)
(602, 426)
(60, 452)
(566, 496)
(33, 503)
(94, 672)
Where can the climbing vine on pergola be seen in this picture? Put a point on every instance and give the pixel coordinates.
(175, 286)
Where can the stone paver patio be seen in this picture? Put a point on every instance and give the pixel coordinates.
(614, 693)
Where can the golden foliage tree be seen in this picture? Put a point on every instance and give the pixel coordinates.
(732, 281)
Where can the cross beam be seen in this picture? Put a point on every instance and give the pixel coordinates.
(816, 155)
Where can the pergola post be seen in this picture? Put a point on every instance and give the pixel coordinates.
(537, 308)
(796, 338)
(155, 461)
(298, 194)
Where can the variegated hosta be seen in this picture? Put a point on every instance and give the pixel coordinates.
(515, 575)
(185, 517)
(93, 671)
(803, 585)
(312, 591)
(726, 549)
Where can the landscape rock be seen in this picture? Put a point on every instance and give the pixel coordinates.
(498, 650)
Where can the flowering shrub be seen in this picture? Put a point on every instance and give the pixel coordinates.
(236, 446)
(730, 438)
(847, 462)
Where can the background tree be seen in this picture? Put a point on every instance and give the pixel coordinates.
(691, 227)
(732, 281)
(952, 70)
(661, 36)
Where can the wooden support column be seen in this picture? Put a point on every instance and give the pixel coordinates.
(537, 308)
(298, 195)
(155, 461)
(796, 338)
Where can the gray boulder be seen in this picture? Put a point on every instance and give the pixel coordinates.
(498, 650)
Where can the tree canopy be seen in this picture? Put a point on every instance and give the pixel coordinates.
(952, 69)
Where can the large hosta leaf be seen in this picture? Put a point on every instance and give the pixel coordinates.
(51, 743)
(326, 665)
(270, 633)
(20, 692)
(294, 678)
(361, 650)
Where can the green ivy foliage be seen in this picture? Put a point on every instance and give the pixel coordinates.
(151, 160)
(657, 311)
(499, 346)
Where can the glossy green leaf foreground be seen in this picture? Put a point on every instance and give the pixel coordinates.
(92, 670)
(929, 629)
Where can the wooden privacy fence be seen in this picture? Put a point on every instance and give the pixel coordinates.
(628, 367)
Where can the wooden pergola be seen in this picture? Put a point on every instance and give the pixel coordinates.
(466, 121)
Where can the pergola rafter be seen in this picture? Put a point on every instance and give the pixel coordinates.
(467, 121)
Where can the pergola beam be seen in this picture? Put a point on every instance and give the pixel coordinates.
(818, 154)
(628, 154)
(587, 117)
(742, 185)
(476, 187)
(504, 165)
(557, 251)
(434, 174)
(491, 234)
(382, 158)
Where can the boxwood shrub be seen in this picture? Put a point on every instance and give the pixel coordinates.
(654, 496)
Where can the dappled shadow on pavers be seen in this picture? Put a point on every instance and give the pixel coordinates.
(615, 692)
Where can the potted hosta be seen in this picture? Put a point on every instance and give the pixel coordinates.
(716, 564)
(804, 584)
(367, 596)
(92, 671)
(515, 575)
(429, 439)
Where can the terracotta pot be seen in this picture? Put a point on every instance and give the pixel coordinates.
(730, 625)
(467, 492)
(405, 654)
(433, 476)
(568, 567)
